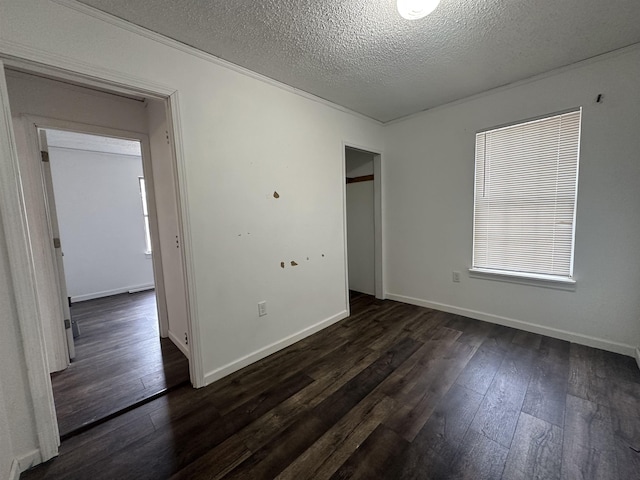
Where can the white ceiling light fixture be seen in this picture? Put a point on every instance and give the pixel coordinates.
(415, 9)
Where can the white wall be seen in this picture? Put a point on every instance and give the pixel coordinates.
(429, 211)
(101, 224)
(241, 141)
(360, 223)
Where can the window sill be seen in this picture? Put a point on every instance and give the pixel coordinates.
(536, 280)
(148, 254)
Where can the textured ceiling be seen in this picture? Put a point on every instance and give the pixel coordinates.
(361, 54)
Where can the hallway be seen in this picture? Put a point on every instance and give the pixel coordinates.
(120, 360)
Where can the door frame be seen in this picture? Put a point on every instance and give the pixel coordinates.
(378, 218)
(32, 123)
(17, 235)
(54, 252)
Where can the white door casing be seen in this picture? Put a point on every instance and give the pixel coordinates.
(16, 232)
(378, 220)
(47, 183)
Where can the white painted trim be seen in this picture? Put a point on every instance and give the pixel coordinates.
(169, 42)
(13, 213)
(551, 73)
(242, 362)
(48, 123)
(345, 240)
(74, 149)
(156, 260)
(181, 346)
(142, 288)
(587, 340)
(196, 367)
(535, 280)
(378, 207)
(108, 293)
(29, 460)
(60, 344)
(638, 356)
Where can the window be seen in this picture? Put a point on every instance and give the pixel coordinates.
(525, 198)
(145, 214)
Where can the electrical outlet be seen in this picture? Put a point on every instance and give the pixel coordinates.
(262, 308)
(456, 277)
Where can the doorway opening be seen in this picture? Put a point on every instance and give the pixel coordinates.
(98, 211)
(363, 214)
(40, 100)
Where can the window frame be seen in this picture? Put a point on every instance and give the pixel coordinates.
(529, 278)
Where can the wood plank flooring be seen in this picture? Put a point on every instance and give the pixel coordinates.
(393, 392)
(120, 360)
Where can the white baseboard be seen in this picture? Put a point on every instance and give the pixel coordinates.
(638, 356)
(181, 346)
(14, 473)
(108, 293)
(142, 288)
(242, 362)
(587, 340)
(24, 463)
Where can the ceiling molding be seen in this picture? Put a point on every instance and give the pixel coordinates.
(156, 37)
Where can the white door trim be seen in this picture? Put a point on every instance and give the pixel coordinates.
(23, 280)
(62, 323)
(31, 60)
(60, 351)
(196, 367)
(377, 215)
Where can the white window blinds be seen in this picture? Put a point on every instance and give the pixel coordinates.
(525, 196)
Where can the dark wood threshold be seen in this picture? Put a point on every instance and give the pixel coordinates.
(88, 426)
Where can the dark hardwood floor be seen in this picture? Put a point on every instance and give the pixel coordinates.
(120, 360)
(392, 392)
